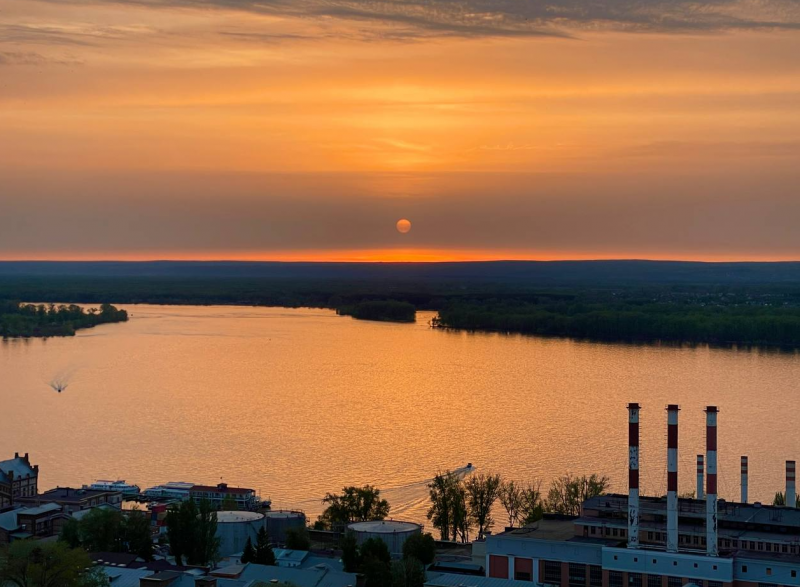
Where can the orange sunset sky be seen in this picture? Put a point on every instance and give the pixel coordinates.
(502, 129)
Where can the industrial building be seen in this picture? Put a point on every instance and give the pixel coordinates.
(636, 541)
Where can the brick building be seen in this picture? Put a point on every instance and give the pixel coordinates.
(23, 477)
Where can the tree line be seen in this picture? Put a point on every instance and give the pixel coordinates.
(26, 320)
(460, 506)
(629, 320)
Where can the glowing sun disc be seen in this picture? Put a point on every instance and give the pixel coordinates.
(403, 225)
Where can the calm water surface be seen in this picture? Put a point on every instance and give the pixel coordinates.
(296, 403)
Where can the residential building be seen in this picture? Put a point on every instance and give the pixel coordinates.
(23, 477)
(73, 500)
(31, 522)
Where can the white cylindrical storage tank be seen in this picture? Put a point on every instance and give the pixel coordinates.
(279, 521)
(393, 532)
(234, 528)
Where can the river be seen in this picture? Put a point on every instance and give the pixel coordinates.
(297, 403)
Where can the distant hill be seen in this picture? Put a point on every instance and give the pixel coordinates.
(529, 273)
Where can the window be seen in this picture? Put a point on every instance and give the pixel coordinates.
(498, 566)
(769, 572)
(744, 568)
(595, 576)
(614, 579)
(634, 580)
(715, 584)
(674, 582)
(523, 569)
(552, 572)
(613, 531)
(794, 574)
(593, 530)
(577, 575)
(649, 535)
(654, 581)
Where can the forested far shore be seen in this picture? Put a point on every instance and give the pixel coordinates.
(42, 320)
(759, 315)
(383, 311)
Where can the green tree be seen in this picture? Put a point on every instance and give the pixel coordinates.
(138, 534)
(206, 545)
(780, 499)
(70, 533)
(567, 493)
(440, 513)
(228, 504)
(408, 572)
(110, 530)
(510, 495)
(30, 563)
(421, 547)
(532, 507)
(375, 563)
(482, 492)
(350, 557)
(264, 554)
(248, 554)
(297, 539)
(354, 504)
(192, 533)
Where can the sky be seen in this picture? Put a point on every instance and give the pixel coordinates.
(304, 130)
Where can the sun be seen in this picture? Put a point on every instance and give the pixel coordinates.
(403, 225)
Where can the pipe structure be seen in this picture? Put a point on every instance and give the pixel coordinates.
(744, 479)
(672, 478)
(712, 548)
(633, 475)
(791, 493)
(700, 476)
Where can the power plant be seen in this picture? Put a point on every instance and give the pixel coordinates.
(642, 541)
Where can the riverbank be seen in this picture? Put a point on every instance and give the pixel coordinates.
(19, 320)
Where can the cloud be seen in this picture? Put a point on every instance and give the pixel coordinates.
(404, 19)
(33, 58)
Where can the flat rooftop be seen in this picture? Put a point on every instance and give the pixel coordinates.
(556, 530)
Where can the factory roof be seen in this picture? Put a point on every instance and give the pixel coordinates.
(125, 577)
(449, 580)
(728, 511)
(313, 577)
(556, 529)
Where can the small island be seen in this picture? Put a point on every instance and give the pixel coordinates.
(18, 320)
(384, 311)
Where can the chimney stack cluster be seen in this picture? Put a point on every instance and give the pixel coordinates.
(672, 477)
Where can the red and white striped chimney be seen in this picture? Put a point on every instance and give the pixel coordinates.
(712, 549)
(633, 475)
(672, 478)
(700, 476)
(744, 479)
(791, 493)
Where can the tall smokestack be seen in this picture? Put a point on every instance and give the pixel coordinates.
(672, 478)
(633, 475)
(744, 479)
(791, 494)
(712, 548)
(700, 476)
